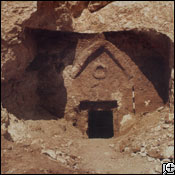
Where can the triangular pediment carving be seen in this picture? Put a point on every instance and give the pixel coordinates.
(93, 51)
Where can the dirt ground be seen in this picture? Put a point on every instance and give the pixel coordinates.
(64, 150)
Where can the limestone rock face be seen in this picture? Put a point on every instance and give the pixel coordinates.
(119, 15)
(76, 7)
(17, 49)
(96, 5)
(4, 120)
(28, 32)
(62, 15)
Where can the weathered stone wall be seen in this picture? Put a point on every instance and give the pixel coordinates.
(126, 60)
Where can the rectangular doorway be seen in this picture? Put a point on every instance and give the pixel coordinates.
(100, 124)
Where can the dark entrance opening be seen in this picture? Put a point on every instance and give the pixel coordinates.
(100, 124)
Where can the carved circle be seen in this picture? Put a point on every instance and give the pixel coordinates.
(99, 72)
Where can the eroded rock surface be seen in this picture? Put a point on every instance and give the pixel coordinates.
(57, 56)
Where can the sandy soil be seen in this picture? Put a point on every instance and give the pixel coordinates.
(65, 151)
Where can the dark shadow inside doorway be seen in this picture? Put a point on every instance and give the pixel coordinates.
(100, 124)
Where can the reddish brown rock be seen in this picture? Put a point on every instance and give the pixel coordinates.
(96, 5)
(155, 153)
(59, 55)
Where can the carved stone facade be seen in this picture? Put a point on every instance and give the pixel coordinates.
(91, 78)
(102, 75)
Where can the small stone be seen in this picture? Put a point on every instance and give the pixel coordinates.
(111, 145)
(170, 129)
(50, 153)
(160, 108)
(143, 144)
(165, 126)
(125, 119)
(155, 153)
(168, 152)
(127, 149)
(73, 157)
(169, 118)
(142, 150)
(58, 152)
(158, 128)
(60, 159)
(9, 147)
(136, 148)
(165, 160)
(159, 139)
(170, 135)
(143, 154)
(75, 166)
(150, 159)
(133, 154)
(171, 143)
(162, 120)
(67, 157)
(37, 141)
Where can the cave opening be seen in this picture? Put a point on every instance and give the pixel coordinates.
(100, 124)
(41, 82)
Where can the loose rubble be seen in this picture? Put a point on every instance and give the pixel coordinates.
(157, 145)
(62, 157)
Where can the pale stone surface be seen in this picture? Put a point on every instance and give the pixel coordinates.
(150, 159)
(168, 152)
(125, 119)
(15, 53)
(4, 118)
(112, 145)
(169, 118)
(128, 15)
(117, 96)
(96, 5)
(50, 153)
(17, 129)
(160, 108)
(143, 154)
